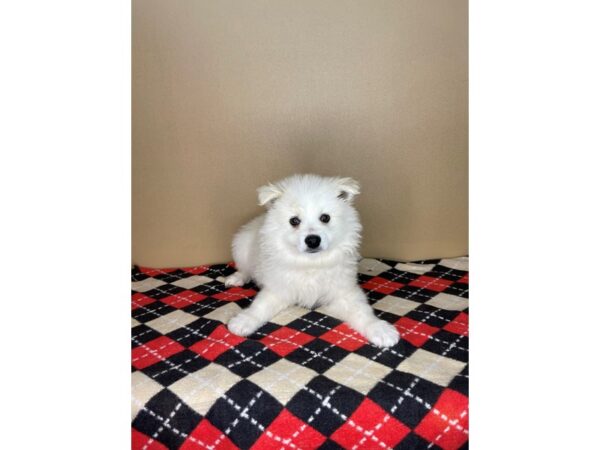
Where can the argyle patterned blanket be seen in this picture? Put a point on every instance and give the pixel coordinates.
(303, 380)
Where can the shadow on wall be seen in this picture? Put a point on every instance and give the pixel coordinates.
(320, 151)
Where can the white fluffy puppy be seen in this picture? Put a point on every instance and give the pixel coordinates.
(304, 251)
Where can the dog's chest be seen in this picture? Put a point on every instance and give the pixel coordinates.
(311, 287)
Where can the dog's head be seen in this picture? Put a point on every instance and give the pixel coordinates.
(310, 215)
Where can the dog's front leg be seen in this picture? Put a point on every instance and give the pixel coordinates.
(351, 306)
(263, 307)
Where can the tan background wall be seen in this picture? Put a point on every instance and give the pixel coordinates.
(228, 95)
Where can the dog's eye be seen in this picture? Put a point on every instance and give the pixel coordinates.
(324, 218)
(294, 221)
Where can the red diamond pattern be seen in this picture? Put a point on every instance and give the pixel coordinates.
(183, 299)
(345, 337)
(234, 294)
(417, 333)
(377, 428)
(433, 284)
(205, 435)
(445, 424)
(195, 270)
(156, 350)
(285, 340)
(154, 272)
(460, 325)
(219, 341)
(288, 429)
(381, 285)
(138, 300)
(140, 441)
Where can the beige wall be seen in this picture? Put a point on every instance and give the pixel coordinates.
(230, 94)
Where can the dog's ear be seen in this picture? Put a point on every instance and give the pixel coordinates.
(349, 188)
(268, 194)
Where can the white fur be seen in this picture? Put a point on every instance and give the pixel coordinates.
(273, 253)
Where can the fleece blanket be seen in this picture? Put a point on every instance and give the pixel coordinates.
(304, 380)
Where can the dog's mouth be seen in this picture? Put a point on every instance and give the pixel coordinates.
(313, 250)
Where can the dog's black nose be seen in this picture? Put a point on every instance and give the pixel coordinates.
(312, 241)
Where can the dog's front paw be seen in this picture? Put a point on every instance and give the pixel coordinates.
(236, 279)
(382, 334)
(243, 324)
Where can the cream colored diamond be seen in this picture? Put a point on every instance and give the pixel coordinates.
(134, 323)
(224, 313)
(461, 263)
(143, 388)
(146, 285)
(289, 315)
(169, 322)
(283, 379)
(192, 282)
(202, 388)
(448, 301)
(414, 268)
(369, 266)
(395, 305)
(358, 373)
(435, 368)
